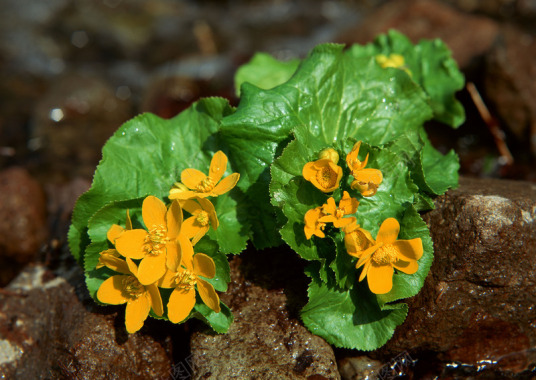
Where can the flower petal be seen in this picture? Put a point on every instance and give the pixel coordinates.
(187, 252)
(132, 267)
(374, 176)
(114, 263)
(388, 231)
(153, 212)
(408, 267)
(190, 227)
(173, 220)
(173, 255)
(167, 280)
(225, 184)
(181, 302)
(191, 178)
(218, 165)
(156, 299)
(348, 204)
(130, 243)
(180, 194)
(111, 290)
(199, 234)
(364, 271)
(191, 206)
(114, 232)
(365, 255)
(208, 295)
(330, 207)
(151, 268)
(204, 265)
(128, 223)
(309, 171)
(409, 249)
(136, 312)
(380, 278)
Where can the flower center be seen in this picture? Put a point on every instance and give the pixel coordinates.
(185, 280)
(156, 240)
(386, 254)
(326, 177)
(205, 185)
(132, 287)
(202, 218)
(339, 213)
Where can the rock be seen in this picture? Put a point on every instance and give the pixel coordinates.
(360, 367)
(477, 304)
(509, 83)
(265, 341)
(429, 19)
(23, 217)
(46, 332)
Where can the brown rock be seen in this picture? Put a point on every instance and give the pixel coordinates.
(265, 341)
(23, 224)
(466, 35)
(478, 300)
(510, 83)
(45, 332)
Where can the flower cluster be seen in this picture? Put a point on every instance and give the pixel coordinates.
(162, 255)
(378, 257)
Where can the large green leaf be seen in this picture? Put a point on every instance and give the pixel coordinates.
(430, 64)
(350, 318)
(264, 71)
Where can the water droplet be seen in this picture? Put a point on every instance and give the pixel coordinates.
(56, 114)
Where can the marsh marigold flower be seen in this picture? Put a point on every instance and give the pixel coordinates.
(113, 233)
(313, 225)
(203, 216)
(357, 239)
(126, 288)
(185, 279)
(394, 60)
(386, 254)
(197, 184)
(336, 214)
(324, 173)
(366, 181)
(155, 247)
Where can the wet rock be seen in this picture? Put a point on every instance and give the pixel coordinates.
(45, 332)
(23, 224)
(359, 367)
(429, 19)
(264, 341)
(477, 304)
(510, 85)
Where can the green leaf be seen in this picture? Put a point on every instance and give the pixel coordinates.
(219, 322)
(440, 172)
(232, 234)
(431, 66)
(350, 318)
(145, 157)
(223, 272)
(264, 71)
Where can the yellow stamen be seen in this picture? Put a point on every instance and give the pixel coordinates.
(326, 177)
(185, 280)
(156, 240)
(205, 185)
(384, 255)
(202, 218)
(132, 287)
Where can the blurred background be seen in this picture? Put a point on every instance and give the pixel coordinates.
(72, 71)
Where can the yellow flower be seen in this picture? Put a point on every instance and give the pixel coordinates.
(313, 225)
(156, 247)
(324, 174)
(356, 239)
(366, 181)
(185, 278)
(394, 60)
(203, 216)
(330, 154)
(126, 288)
(387, 253)
(335, 215)
(196, 184)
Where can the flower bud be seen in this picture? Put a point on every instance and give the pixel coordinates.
(329, 154)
